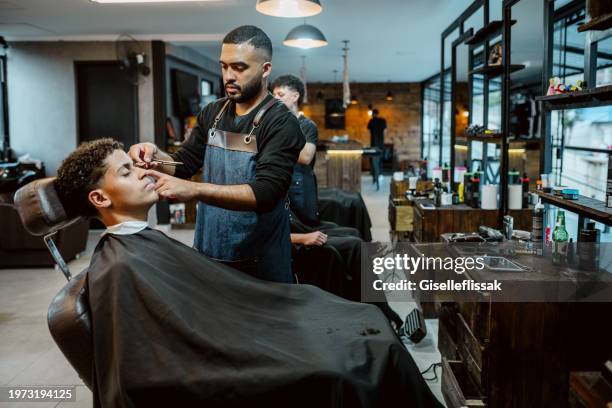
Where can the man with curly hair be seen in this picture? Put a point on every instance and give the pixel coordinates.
(171, 327)
(99, 179)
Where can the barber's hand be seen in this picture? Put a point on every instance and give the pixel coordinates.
(315, 238)
(172, 187)
(142, 154)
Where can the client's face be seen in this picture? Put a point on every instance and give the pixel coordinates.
(125, 188)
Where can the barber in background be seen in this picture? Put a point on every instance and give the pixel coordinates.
(289, 89)
(246, 145)
(377, 126)
(306, 228)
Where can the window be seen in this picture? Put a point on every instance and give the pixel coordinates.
(205, 88)
(3, 105)
(448, 116)
(430, 148)
(580, 138)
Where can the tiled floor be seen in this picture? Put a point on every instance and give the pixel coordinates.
(28, 355)
(426, 352)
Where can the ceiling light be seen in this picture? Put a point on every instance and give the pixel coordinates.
(142, 1)
(305, 36)
(289, 8)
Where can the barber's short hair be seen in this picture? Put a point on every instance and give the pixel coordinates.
(252, 35)
(80, 173)
(375, 112)
(292, 82)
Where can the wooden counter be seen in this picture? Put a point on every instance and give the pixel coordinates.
(430, 223)
(338, 165)
(508, 354)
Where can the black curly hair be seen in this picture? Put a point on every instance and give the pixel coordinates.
(81, 172)
(292, 82)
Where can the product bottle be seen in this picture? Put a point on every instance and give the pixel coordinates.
(588, 248)
(537, 231)
(609, 189)
(525, 182)
(424, 169)
(560, 237)
(513, 177)
(445, 173)
(475, 192)
(437, 190)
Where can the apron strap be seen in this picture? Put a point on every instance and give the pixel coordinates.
(262, 112)
(218, 117)
(259, 117)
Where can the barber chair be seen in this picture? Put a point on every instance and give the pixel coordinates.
(68, 316)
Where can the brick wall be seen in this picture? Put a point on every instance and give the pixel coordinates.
(403, 114)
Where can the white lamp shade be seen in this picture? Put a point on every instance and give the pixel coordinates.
(289, 8)
(305, 36)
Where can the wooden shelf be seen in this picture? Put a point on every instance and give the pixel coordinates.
(495, 70)
(497, 139)
(488, 31)
(600, 23)
(580, 99)
(588, 207)
(529, 144)
(484, 137)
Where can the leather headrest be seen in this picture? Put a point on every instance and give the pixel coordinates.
(39, 207)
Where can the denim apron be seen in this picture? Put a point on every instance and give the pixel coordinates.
(303, 195)
(255, 243)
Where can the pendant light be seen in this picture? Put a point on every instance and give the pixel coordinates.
(389, 96)
(305, 36)
(289, 8)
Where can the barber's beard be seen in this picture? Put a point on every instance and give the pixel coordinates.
(249, 91)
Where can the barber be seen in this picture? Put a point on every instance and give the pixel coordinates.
(246, 145)
(289, 89)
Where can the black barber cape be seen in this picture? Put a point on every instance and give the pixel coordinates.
(346, 209)
(172, 328)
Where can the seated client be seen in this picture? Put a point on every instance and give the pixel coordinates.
(174, 328)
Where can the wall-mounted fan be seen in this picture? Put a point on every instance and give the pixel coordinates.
(131, 54)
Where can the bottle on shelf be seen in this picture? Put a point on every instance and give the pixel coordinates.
(560, 238)
(445, 173)
(437, 191)
(525, 182)
(475, 191)
(513, 176)
(609, 184)
(537, 231)
(423, 173)
(467, 188)
(588, 248)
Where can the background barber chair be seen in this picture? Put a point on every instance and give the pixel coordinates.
(19, 248)
(68, 316)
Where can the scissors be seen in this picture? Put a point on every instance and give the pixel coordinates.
(165, 162)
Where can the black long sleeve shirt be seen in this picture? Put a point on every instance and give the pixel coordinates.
(279, 142)
(311, 133)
